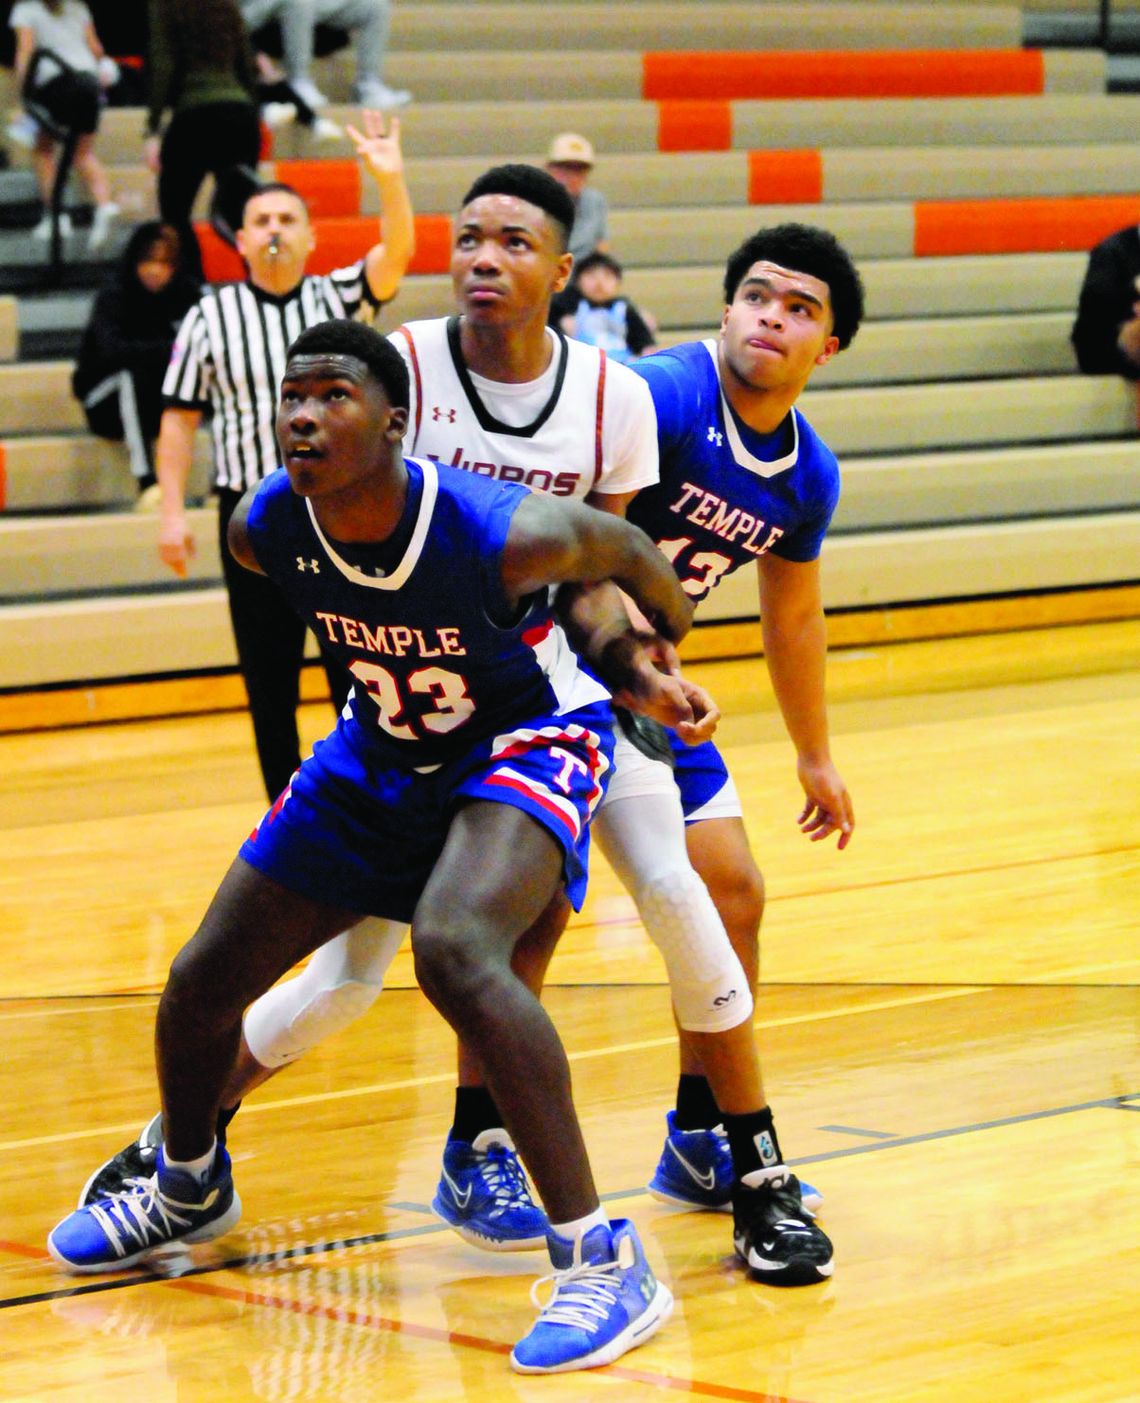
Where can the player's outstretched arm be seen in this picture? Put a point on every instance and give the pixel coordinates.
(553, 542)
(795, 648)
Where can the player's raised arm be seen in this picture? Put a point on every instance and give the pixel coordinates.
(559, 542)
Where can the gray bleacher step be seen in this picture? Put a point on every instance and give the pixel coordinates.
(83, 555)
(978, 413)
(163, 633)
(44, 557)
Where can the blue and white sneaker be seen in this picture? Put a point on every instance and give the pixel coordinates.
(695, 1171)
(116, 1232)
(605, 1302)
(483, 1194)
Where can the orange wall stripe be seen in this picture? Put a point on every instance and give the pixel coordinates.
(1019, 226)
(3, 477)
(329, 188)
(675, 76)
(340, 241)
(785, 177)
(694, 126)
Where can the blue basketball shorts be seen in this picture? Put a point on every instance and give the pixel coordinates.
(707, 790)
(353, 831)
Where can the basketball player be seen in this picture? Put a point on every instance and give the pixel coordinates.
(472, 727)
(499, 393)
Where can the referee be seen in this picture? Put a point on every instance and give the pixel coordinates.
(228, 358)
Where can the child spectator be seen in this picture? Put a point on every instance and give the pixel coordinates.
(592, 309)
(126, 346)
(61, 66)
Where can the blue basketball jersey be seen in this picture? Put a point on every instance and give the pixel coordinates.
(423, 630)
(727, 494)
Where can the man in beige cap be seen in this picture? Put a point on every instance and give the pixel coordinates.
(570, 161)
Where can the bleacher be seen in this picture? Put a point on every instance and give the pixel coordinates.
(967, 173)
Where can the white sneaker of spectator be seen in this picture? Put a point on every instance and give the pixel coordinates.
(381, 96)
(309, 93)
(105, 216)
(42, 231)
(22, 131)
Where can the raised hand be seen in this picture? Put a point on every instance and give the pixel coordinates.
(378, 145)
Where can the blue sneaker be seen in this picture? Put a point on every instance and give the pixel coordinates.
(695, 1171)
(606, 1301)
(483, 1194)
(118, 1231)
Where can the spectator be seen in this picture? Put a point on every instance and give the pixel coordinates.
(202, 67)
(367, 23)
(570, 161)
(60, 65)
(128, 340)
(1106, 333)
(592, 309)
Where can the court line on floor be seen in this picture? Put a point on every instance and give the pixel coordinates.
(448, 1077)
(325, 1245)
(774, 896)
(366, 1319)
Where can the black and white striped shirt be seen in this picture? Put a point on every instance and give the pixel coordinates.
(229, 357)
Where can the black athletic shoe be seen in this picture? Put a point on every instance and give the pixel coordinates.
(773, 1232)
(136, 1161)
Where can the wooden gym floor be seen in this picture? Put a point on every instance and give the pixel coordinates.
(949, 1029)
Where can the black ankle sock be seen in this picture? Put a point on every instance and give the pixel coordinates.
(752, 1140)
(696, 1105)
(475, 1111)
(222, 1124)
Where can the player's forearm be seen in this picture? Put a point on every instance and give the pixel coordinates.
(796, 654)
(651, 582)
(594, 618)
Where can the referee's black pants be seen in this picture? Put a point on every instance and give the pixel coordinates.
(270, 642)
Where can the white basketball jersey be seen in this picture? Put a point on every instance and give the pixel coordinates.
(586, 424)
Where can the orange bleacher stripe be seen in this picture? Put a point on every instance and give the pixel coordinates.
(220, 263)
(1019, 226)
(842, 73)
(340, 242)
(329, 188)
(785, 177)
(694, 126)
(3, 477)
(434, 238)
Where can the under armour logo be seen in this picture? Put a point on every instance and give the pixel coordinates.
(715, 436)
(437, 414)
(303, 565)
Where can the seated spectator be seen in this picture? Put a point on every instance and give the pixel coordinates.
(570, 161)
(1106, 333)
(126, 346)
(367, 23)
(592, 309)
(61, 70)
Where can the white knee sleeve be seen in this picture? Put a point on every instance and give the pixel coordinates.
(707, 981)
(341, 981)
(642, 833)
